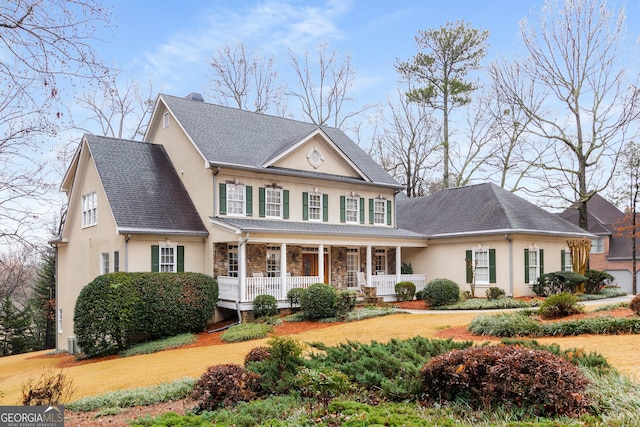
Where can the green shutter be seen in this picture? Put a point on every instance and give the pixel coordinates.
(155, 258)
(285, 204)
(249, 200)
(562, 264)
(342, 208)
(468, 263)
(492, 266)
(305, 206)
(325, 207)
(180, 265)
(371, 211)
(389, 212)
(541, 261)
(261, 202)
(223, 199)
(526, 266)
(361, 210)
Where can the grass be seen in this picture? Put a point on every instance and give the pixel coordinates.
(159, 345)
(607, 292)
(485, 304)
(246, 332)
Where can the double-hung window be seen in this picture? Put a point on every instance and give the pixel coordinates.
(380, 211)
(167, 258)
(232, 268)
(533, 264)
(481, 265)
(597, 245)
(273, 202)
(566, 262)
(481, 260)
(104, 261)
(315, 207)
(352, 209)
(380, 261)
(89, 209)
(273, 261)
(236, 199)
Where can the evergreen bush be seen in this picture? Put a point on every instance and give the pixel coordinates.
(265, 305)
(319, 301)
(441, 292)
(279, 366)
(405, 291)
(495, 292)
(557, 282)
(294, 295)
(560, 305)
(345, 302)
(596, 281)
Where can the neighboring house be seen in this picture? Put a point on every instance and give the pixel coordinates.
(266, 204)
(610, 251)
(508, 241)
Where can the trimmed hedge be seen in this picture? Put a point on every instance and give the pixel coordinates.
(265, 305)
(441, 292)
(115, 308)
(405, 291)
(319, 301)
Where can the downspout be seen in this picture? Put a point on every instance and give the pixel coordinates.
(510, 240)
(126, 252)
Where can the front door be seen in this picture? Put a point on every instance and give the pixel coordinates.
(310, 265)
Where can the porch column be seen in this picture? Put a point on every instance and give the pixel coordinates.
(242, 269)
(369, 278)
(284, 288)
(321, 262)
(398, 265)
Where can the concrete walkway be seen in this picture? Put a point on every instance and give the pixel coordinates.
(598, 302)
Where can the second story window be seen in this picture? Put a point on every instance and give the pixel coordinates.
(352, 209)
(315, 207)
(89, 209)
(597, 245)
(236, 199)
(380, 211)
(273, 202)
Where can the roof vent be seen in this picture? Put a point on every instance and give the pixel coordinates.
(195, 96)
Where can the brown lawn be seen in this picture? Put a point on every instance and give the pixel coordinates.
(93, 377)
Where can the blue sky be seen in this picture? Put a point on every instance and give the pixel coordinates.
(170, 45)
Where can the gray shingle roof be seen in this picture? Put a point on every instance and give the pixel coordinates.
(478, 209)
(144, 191)
(237, 137)
(290, 227)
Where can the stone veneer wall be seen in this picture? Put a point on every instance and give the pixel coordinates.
(256, 259)
(220, 259)
(294, 260)
(339, 266)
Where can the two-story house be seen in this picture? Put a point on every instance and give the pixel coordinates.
(266, 204)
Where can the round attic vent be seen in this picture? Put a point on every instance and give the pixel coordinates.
(315, 157)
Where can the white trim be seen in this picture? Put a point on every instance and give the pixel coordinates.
(346, 211)
(241, 189)
(266, 203)
(174, 255)
(320, 207)
(384, 211)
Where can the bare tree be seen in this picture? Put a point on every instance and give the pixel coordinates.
(245, 79)
(583, 106)
(117, 110)
(46, 50)
(451, 52)
(408, 146)
(323, 88)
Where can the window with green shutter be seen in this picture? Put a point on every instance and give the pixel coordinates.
(389, 222)
(305, 206)
(325, 207)
(533, 264)
(249, 200)
(362, 210)
(167, 259)
(223, 198)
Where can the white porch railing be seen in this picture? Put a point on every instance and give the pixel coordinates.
(228, 287)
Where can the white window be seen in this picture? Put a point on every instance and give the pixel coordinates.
(597, 245)
(380, 261)
(165, 120)
(534, 265)
(273, 202)
(232, 269)
(167, 259)
(89, 209)
(481, 265)
(59, 320)
(236, 199)
(380, 211)
(568, 262)
(315, 207)
(273, 261)
(353, 267)
(104, 261)
(352, 209)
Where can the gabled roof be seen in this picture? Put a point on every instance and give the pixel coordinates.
(231, 137)
(144, 191)
(601, 215)
(476, 210)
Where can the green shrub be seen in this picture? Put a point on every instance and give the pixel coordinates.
(536, 381)
(278, 370)
(322, 384)
(246, 332)
(596, 281)
(345, 302)
(487, 304)
(421, 295)
(495, 292)
(441, 292)
(634, 305)
(560, 305)
(265, 305)
(114, 308)
(319, 301)
(225, 385)
(557, 282)
(519, 324)
(406, 268)
(294, 295)
(405, 291)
